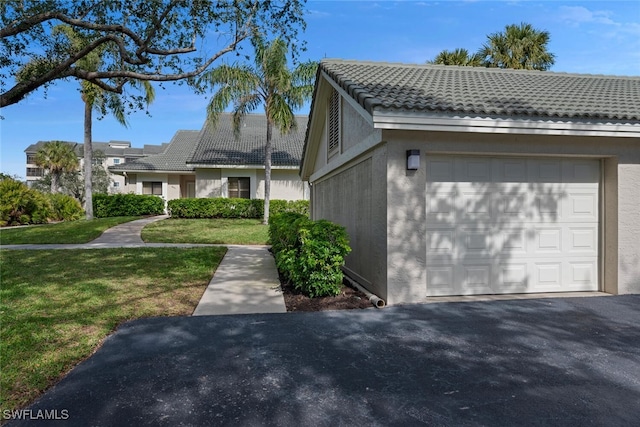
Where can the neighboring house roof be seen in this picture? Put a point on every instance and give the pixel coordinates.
(173, 158)
(486, 91)
(218, 146)
(110, 149)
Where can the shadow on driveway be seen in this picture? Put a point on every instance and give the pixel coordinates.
(573, 361)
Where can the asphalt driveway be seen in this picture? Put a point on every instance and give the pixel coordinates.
(573, 362)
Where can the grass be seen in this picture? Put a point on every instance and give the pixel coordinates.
(57, 306)
(225, 231)
(81, 231)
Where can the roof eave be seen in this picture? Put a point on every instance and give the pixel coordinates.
(410, 120)
(230, 166)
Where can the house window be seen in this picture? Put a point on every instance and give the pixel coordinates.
(116, 161)
(116, 184)
(152, 187)
(31, 159)
(239, 188)
(333, 144)
(35, 172)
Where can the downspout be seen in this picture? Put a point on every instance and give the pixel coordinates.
(374, 299)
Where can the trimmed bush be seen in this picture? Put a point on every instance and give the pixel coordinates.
(232, 208)
(21, 205)
(110, 205)
(309, 254)
(64, 207)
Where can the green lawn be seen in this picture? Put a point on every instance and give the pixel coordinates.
(56, 306)
(81, 231)
(228, 231)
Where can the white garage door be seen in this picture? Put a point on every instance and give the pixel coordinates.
(511, 225)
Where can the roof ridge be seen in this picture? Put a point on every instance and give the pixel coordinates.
(471, 69)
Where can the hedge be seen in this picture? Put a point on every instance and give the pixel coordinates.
(232, 208)
(110, 205)
(309, 254)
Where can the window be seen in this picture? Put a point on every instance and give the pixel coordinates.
(31, 159)
(154, 188)
(117, 184)
(116, 161)
(239, 188)
(35, 172)
(333, 144)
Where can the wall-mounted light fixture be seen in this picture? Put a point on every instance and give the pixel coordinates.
(413, 160)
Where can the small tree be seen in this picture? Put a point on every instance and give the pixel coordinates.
(269, 83)
(56, 157)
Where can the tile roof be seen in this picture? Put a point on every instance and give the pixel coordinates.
(173, 158)
(108, 149)
(487, 91)
(219, 146)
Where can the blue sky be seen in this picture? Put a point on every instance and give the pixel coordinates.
(596, 37)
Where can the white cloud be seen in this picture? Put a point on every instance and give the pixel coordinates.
(579, 14)
(317, 13)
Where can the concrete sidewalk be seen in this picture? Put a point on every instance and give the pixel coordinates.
(246, 282)
(129, 232)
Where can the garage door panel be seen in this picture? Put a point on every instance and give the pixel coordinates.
(441, 241)
(514, 242)
(581, 274)
(473, 169)
(581, 206)
(440, 280)
(511, 171)
(547, 276)
(512, 225)
(582, 241)
(475, 278)
(581, 171)
(440, 170)
(545, 171)
(512, 278)
(547, 241)
(512, 200)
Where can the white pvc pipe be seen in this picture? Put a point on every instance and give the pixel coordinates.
(374, 299)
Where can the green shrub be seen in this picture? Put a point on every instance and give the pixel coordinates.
(309, 254)
(232, 208)
(21, 205)
(281, 206)
(110, 205)
(64, 207)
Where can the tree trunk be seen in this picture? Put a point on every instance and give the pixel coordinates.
(267, 172)
(55, 182)
(88, 159)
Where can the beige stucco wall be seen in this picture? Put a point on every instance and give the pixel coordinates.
(208, 183)
(286, 185)
(395, 228)
(173, 187)
(352, 197)
(355, 128)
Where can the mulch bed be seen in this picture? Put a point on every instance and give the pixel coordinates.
(348, 299)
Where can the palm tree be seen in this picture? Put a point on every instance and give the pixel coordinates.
(95, 98)
(518, 47)
(269, 83)
(457, 57)
(56, 157)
